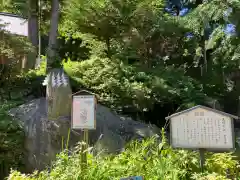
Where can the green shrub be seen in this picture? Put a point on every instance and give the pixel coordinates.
(148, 158)
(31, 82)
(40, 71)
(213, 176)
(11, 140)
(223, 164)
(119, 85)
(116, 84)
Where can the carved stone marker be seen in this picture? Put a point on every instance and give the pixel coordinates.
(58, 94)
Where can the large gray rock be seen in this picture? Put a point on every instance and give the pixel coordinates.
(45, 138)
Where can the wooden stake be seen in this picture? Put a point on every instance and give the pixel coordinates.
(84, 148)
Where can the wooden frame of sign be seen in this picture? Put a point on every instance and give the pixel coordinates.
(202, 128)
(193, 117)
(81, 95)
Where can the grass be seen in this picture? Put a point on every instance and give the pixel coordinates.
(150, 158)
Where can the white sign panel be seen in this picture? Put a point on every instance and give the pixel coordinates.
(83, 112)
(14, 24)
(201, 128)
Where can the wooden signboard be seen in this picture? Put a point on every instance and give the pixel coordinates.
(84, 112)
(202, 128)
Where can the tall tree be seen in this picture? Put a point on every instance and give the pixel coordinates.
(33, 29)
(208, 21)
(53, 34)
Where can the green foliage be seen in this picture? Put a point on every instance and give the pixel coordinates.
(119, 85)
(31, 82)
(220, 162)
(13, 6)
(117, 20)
(12, 50)
(78, 46)
(13, 46)
(11, 140)
(149, 158)
(128, 28)
(109, 17)
(142, 34)
(41, 71)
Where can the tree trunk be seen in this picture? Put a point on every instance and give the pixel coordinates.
(52, 43)
(32, 31)
(177, 10)
(108, 47)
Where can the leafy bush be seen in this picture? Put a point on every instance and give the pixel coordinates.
(119, 85)
(150, 158)
(220, 162)
(79, 46)
(11, 140)
(31, 82)
(12, 50)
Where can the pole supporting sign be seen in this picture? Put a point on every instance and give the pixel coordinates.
(83, 111)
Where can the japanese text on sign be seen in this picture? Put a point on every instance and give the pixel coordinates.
(83, 112)
(202, 129)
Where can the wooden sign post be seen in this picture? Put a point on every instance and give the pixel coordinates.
(204, 129)
(202, 159)
(84, 118)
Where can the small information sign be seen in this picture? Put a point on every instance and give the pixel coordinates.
(84, 112)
